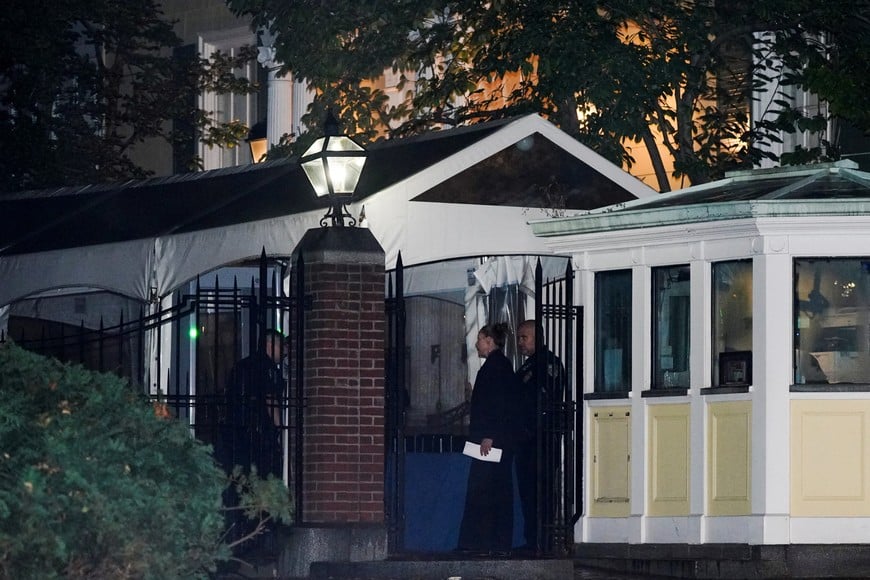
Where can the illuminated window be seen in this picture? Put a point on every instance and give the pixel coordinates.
(832, 318)
(228, 107)
(732, 323)
(670, 327)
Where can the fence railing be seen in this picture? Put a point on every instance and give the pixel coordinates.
(182, 354)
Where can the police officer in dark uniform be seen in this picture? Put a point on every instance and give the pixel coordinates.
(251, 434)
(257, 385)
(541, 396)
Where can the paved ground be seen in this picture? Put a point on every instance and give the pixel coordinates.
(579, 574)
(596, 574)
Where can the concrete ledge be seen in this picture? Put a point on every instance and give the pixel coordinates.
(442, 570)
(347, 543)
(729, 560)
(665, 551)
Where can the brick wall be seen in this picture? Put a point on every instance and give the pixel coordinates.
(344, 388)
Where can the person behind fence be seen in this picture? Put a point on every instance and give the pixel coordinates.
(551, 388)
(251, 434)
(487, 522)
(255, 390)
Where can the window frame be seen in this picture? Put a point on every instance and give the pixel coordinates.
(656, 314)
(599, 378)
(821, 302)
(716, 354)
(245, 108)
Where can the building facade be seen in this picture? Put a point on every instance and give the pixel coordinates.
(726, 374)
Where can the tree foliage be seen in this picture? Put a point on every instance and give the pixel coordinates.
(82, 83)
(676, 76)
(94, 485)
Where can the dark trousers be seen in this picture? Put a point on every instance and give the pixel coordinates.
(527, 485)
(488, 520)
(529, 477)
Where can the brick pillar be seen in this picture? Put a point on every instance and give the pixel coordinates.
(344, 377)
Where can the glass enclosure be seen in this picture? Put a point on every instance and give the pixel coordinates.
(670, 327)
(832, 320)
(613, 331)
(732, 323)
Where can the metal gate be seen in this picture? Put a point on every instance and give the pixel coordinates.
(560, 426)
(185, 358)
(558, 487)
(395, 400)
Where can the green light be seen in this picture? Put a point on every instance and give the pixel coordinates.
(193, 333)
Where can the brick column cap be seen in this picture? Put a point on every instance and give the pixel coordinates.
(340, 245)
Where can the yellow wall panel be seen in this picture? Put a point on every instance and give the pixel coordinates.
(830, 465)
(729, 458)
(610, 442)
(668, 489)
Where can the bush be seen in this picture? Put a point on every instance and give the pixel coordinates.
(94, 485)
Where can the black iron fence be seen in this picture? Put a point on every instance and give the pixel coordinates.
(560, 428)
(557, 441)
(183, 355)
(396, 399)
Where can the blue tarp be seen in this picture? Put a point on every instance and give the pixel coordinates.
(435, 486)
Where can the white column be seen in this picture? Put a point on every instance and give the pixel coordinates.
(772, 342)
(641, 370)
(585, 296)
(701, 341)
(302, 97)
(279, 115)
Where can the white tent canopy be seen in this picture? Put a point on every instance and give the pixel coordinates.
(398, 214)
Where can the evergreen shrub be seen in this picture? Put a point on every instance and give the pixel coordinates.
(94, 485)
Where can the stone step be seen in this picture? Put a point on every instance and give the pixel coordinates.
(728, 561)
(460, 569)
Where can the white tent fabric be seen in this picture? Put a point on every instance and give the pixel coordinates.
(135, 269)
(422, 231)
(123, 267)
(500, 272)
(496, 272)
(426, 232)
(184, 256)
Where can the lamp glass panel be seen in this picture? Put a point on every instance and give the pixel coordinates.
(344, 173)
(316, 173)
(315, 147)
(341, 143)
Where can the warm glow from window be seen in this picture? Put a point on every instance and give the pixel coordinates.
(584, 111)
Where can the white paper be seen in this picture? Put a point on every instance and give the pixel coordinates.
(473, 451)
